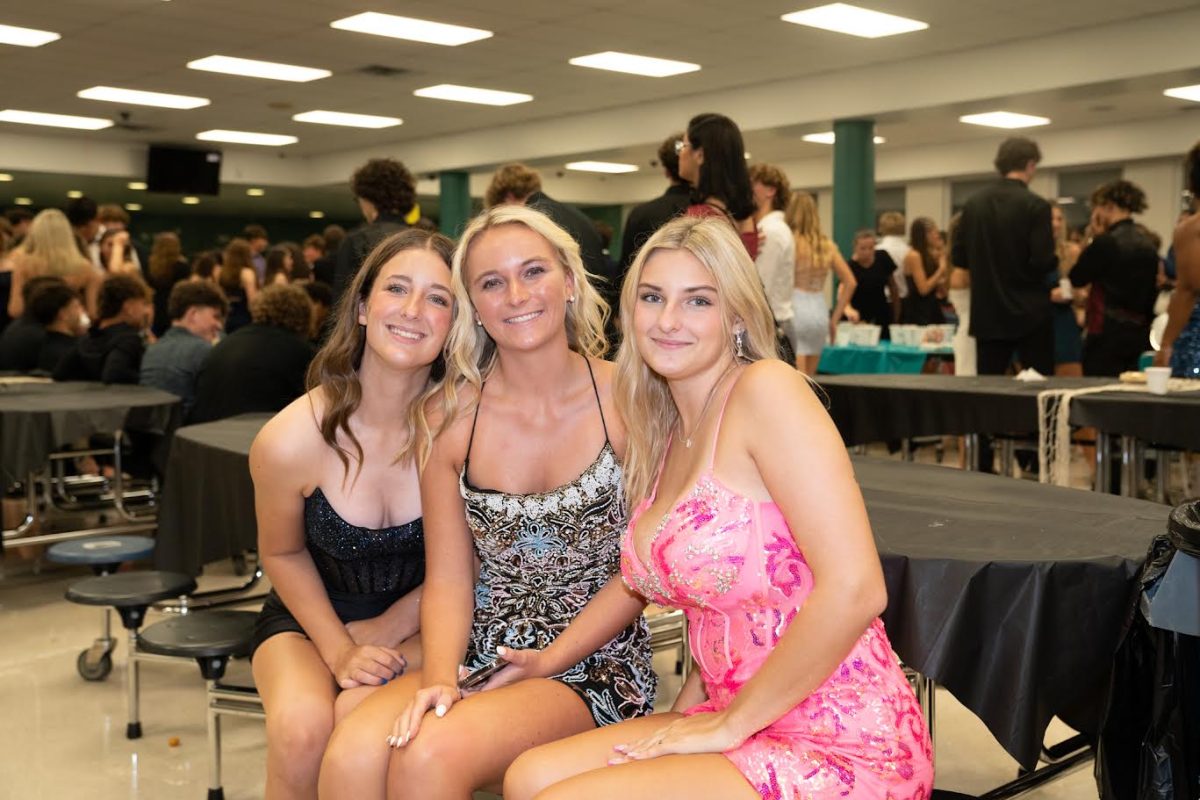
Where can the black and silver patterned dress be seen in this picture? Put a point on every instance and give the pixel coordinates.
(543, 557)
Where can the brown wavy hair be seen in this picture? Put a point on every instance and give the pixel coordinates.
(237, 257)
(164, 255)
(335, 367)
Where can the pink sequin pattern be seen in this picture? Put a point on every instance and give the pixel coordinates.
(734, 567)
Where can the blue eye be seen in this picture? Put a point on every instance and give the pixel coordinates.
(490, 283)
(700, 301)
(534, 271)
(649, 297)
(439, 300)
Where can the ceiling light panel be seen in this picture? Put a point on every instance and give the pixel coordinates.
(5, 177)
(316, 215)
(1185, 93)
(133, 206)
(470, 94)
(137, 186)
(23, 201)
(246, 137)
(255, 192)
(414, 30)
(258, 69)
(112, 94)
(190, 201)
(26, 37)
(347, 120)
(828, 137)
(608, 167)
(54, 120)
(635, 65)
(855, 21)
(1004, 119)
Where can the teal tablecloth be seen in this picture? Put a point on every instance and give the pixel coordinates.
(883, 358)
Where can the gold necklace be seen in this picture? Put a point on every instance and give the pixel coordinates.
(687, 441)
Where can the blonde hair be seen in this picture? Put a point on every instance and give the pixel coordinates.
(1061, 244)
(50, 246)
(642, 396)
(805, 221)
(472, 353)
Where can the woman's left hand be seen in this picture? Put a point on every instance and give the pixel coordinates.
(700, 733)
(522, 664)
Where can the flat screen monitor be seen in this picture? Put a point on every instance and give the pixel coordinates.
(183, 170)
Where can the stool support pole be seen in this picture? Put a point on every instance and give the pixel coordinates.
(133, 728)
(215, 790)
(1128, 462)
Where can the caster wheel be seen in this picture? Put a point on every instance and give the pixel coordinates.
(93, 670)
(133, 730)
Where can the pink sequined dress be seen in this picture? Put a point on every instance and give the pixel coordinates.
(732, 564)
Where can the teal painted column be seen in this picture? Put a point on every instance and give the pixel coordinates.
(853, 180)
(454, 202)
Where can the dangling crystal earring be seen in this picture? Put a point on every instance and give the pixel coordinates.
(739, 345)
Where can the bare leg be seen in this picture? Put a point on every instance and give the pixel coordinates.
(1072, 369)
(808, 364)
(297, 691)
(577, 768)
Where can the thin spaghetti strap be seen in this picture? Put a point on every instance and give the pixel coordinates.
(474, 422)
(712, 455)
(599, 405)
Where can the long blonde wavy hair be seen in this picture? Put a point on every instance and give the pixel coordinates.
(335, 367)
(472, 353)
(50, 247)
(642, 395)
(805, 221)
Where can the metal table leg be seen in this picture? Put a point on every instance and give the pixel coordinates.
(1103, 462)
(1128, 467)
(971, 451)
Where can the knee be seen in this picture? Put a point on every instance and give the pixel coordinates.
(437, 755)
(354, 749)
(528, 775)
(297, 735)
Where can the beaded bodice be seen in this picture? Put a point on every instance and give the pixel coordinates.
(355, 560)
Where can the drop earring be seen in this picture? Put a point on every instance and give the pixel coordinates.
(739, 345)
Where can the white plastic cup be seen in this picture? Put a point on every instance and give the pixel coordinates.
(1156, 379)
(1065, 290)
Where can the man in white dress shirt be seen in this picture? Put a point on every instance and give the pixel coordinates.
(776, 259)
(893, 240)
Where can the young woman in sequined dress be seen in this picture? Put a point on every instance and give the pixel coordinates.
(339, 507)
(524, 516)
(1180, 348)
(747, 516)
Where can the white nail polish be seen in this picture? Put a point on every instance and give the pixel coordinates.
(440, 711)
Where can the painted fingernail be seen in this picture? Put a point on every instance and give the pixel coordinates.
(385, 680)
(440, 710)
(500, 650)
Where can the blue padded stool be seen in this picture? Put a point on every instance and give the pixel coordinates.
(103, 555)
(131, 593)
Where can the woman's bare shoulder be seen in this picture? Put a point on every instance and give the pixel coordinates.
(293, 436)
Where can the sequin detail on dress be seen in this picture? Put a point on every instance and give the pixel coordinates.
(734, 567)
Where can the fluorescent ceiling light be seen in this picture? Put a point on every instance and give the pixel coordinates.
(609, 167)
(468, 94)
(5, 177)
(255, 192)
(190, 201)
(348, 120)
(74, 194)
(1185, 93)
(112, 94)
(258, 69)
(1004, 119)
(1064, 201)
(844, 18)
(634, 65)
(26, 37)
(133, 206)
(827, 137)
(137, 186)
(54, 120)
(246, 137)
(414, 30)
(23, 201)
(316, 215)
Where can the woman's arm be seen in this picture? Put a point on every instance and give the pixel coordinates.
(692, 693)
(16, 292)
(847, 283)
(1187, 287)
(400, 621)
(915, 267)
(249, 280)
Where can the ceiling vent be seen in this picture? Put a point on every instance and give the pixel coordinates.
(382, 71)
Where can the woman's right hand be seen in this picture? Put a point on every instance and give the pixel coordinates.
(366, 665)
(437, 698)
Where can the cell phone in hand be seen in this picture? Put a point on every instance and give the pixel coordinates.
(477, 677)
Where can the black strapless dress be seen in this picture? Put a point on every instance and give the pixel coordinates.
(364, 570)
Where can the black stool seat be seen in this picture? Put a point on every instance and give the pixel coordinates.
(128, 589)
(201, 634)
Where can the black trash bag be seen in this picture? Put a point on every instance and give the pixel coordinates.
(1149, 745)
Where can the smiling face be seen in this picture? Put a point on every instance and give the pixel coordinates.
(679, 321)
(408, 312)
(518, 287)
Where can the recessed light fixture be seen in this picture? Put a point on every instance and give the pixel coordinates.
(26, 37)
(1064, 201)
(5, 177)
(258, 69)
(246, 137)
(74, 194)
(414, 30)
(112, 94)
(190, 201)
(1185, 93)
(23, 201)
(609, 167)
(634, 65)
(347, 120)
(54, 120)
(1004, 119)
(316, 215)
(255, 192)
(845, 18)
(828, 137)
(469, 94)
(137, 186)
(133, 206)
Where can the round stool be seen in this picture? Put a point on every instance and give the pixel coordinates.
(211, 638)
(130, 593)
(103, 555)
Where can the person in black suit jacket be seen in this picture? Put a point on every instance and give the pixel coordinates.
(386, 192)
(112, 350)
(645, 219)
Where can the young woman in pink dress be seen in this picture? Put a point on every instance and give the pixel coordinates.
(747, 515)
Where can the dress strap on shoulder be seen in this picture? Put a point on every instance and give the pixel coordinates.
(721, 418)
(474, 422)
(596, 391)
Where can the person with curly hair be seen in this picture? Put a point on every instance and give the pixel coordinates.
(1121, 265)
(385, 191)
(259, 367)
(112, 350)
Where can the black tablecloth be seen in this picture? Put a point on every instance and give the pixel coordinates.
(207, 507)
(1171, 419)
(1008, 593)
(38, 418)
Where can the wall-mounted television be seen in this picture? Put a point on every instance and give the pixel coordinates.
(183, 170)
